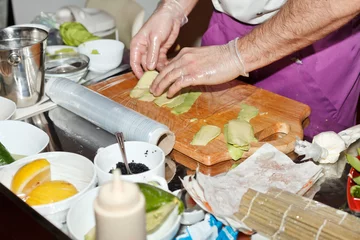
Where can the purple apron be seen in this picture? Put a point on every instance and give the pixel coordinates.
(326, 78)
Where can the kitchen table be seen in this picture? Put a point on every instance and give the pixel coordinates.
(71, 133)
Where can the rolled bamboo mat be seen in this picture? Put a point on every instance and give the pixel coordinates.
(282, 215)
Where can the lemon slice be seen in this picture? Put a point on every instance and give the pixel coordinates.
(50, 192)
(30, 176)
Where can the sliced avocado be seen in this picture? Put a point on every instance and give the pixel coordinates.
(358, 151)
(143, 85)
(5, 156)
(95, 52)
(353, 161)
(155, 218)
(91, 235)
(355, 191)
(65, 50)
(205, 135)
(240, 132)
(235, 152)
(147, 97)
(189, 100)
(163, 100)
(177, 100)
(247, 112)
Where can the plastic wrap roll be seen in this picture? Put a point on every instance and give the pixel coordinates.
(107, 114)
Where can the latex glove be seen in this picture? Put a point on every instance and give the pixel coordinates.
(200, 66)
(149, 46)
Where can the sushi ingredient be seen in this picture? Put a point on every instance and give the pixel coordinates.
(5, 156)
(74, 34)
(95, 52)
(235, 152)
(353, 161)
(155, 218)
(91, 235)
(205, 135)
(247, 112)
(147, 97)
(240, 133)
(65, 50)
(51, 192)
(355, 191)
(29, 176)
(143, 85)
(189, 100)
(356, 180)
(134, 168)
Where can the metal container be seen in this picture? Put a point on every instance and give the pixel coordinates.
(22, 57)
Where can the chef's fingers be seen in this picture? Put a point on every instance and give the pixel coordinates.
(159, 78)
(153, 52)
(168, 80)
(135, 60)
(180, 83)
(143, 62)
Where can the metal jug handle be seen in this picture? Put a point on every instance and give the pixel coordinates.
(14, 59)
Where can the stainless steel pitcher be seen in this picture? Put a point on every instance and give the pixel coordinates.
(22, 56)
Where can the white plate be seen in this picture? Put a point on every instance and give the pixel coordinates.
(7, 107)
(81, 219)
(22, 138)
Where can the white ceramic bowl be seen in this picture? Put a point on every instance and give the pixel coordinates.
(81, 219)
(7, 107)
(107, 158)
(109, 57)
(70, 167)
(22, 138)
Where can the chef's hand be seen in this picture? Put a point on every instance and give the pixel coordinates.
(200, 66)
(149, 46)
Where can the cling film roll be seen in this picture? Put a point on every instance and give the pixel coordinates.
(107, 114)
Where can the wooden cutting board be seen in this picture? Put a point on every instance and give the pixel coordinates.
(279, 121)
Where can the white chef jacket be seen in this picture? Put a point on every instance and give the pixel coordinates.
(249, 11)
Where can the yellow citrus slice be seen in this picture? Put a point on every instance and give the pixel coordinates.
(31, 175)
(51, 192)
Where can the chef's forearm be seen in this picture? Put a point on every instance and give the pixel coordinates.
(298, 24)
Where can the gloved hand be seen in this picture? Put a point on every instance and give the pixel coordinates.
(200, 66)
(149, 46)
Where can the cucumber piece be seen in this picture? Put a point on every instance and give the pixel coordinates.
(356, 180)
(5, 156)
(205, 135)
(355, 191)
(353, 161)
(189, 100)
(247, 112)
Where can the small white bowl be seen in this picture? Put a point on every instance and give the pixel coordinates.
(109, 57)
(7, 107)
(69, 167)
(22, 138)
(141, 152)
(81, 219)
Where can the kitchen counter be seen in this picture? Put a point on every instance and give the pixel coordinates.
(71, 133)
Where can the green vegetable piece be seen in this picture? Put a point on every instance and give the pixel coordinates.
(355, 191)
(240, 132)
(74, 34)
(147, 97)
(5, 156)
(17, 157)
(356, 180)
(91, 235)
(234, 166)
(156, 197)
(247, 112)
(143, 85)
(65, 50)
(163, 100)
(189, 100)
(358, 151)
(205, 135)
(235, 152)
(155, 218)
(353, 161)
(94, 51)
(177, 100)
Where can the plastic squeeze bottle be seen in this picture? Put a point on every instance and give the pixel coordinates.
(120, 211)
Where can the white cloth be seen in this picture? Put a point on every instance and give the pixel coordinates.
(249, 11)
